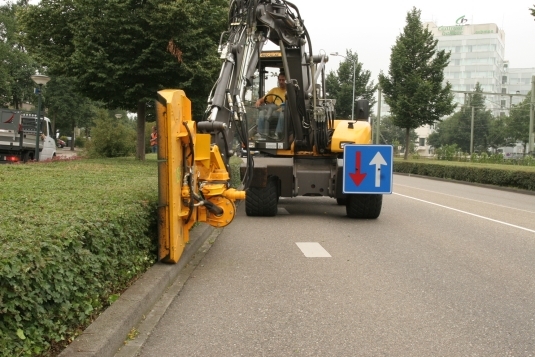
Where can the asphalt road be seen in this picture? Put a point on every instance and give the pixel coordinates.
(447, 270)
(66, 152)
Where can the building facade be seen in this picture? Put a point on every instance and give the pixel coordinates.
(477, 56)
(515, 81)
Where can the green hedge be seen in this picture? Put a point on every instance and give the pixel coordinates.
(516, 177)
(74, 235)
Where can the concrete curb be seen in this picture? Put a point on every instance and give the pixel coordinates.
(107, 333)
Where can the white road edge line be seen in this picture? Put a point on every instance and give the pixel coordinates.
(468, 213)
(313, 250)
(464, 198)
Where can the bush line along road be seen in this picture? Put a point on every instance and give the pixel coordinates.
(82, 217)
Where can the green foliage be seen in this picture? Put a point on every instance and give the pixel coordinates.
(110, 138)
(66, 106)
(488, 131)
(414, 88)
(497, 133)
(518, 121)
(80, 141)
(498, 176)
(447, 152)
(128, 50)
(79, 242)
(453, 153)
(17, 66)
(391, 134)
(340, 85)
(235, 164)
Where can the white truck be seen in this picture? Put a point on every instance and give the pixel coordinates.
(17, 137)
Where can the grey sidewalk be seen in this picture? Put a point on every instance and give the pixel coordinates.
(107, 334)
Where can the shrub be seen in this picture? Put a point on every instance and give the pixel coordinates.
(110, 138)
(470, 173)
(70, 247)
(447, 152)
(80, 142)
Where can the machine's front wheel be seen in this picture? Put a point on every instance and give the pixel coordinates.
(364, 206)
(262, 201)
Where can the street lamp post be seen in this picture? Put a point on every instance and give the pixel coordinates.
(353, 98)
(40, 80)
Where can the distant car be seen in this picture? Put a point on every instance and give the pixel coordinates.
(60, 143)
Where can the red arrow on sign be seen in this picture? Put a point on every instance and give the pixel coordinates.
(357, 177)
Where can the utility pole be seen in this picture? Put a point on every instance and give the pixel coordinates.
(531, 114)
(472, 132)
(378, 120)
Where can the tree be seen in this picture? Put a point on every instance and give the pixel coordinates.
(457, 128)
(482, 119)
(340, 85)
(414, 88)
(532, 11)
(497, 133)
(393, 135)
(446, 132)
(17, 65)
(66, 107)
(517, 124)
(123, 52)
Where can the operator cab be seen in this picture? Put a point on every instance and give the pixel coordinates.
(267, 120)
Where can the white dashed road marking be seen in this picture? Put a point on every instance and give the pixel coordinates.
(313, 250)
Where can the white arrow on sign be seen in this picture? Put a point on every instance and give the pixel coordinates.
(378, 160)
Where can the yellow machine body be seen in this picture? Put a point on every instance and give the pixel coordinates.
(350, 132)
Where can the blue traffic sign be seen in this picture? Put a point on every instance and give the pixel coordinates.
(368, 168)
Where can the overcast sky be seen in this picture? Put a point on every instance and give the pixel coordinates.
(370, 27)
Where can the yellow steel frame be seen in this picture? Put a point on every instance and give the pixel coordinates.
(181, 169)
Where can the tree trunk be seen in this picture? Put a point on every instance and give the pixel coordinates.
(53, 126)
(73, 126)
(407, 139)
(140, 149)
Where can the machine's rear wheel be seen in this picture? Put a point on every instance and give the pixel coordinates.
(262, 201)
(364, 206)
(341, 201)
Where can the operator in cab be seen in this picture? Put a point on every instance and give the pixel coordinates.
(275, 96)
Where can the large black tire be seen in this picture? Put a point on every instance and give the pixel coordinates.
(262, 201)
(341, 201)
(364, 206)
(25, 156)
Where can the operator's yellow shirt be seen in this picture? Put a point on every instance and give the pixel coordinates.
(278, 91)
